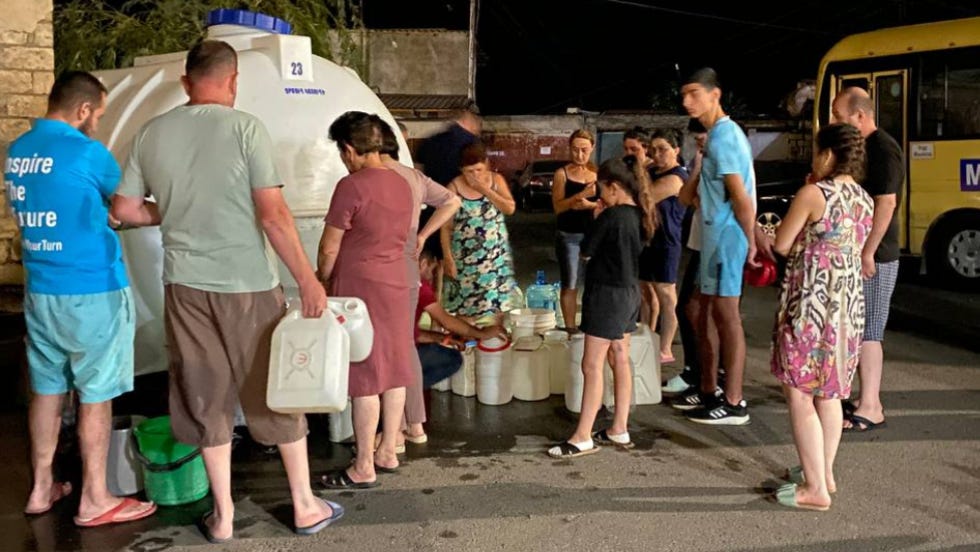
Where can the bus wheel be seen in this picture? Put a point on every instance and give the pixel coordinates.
(953, 257)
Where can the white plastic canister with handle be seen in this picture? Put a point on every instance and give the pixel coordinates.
(353, 316)
(309, 364)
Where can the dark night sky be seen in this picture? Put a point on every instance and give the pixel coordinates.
(542, 56)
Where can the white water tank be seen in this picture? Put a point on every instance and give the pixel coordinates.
(295, 94)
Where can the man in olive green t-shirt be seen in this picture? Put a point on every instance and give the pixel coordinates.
(210, 168)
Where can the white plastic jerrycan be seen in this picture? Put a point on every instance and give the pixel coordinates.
(309, 364)
(352, 314)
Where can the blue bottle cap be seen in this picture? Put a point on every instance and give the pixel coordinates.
(247, 18)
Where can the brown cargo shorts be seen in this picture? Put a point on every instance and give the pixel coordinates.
(218, 345)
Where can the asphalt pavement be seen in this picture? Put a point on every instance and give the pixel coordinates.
(483, 481)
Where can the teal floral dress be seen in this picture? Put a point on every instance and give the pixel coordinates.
(484, 265)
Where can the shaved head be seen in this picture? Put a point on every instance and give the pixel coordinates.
(858, 99)
(209, 59)
(211, 73)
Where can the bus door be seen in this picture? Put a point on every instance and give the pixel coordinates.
(889, 89)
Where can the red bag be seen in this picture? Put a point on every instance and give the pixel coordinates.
(763, 275)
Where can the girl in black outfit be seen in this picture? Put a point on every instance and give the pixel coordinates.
(611, 304)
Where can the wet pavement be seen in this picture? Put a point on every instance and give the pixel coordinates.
(483, 481)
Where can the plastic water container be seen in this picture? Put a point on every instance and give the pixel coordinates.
(124, 474)
(340, 425)
(494, 377)
(575, 381)
(293, 92)
(609, 388)
(645, 358)
(464, 380)
(353, 316)
(541, 294)
(528, 322)
(645, 364)
(531, 369)
(556, 343)
(444, 385)
(309, 364)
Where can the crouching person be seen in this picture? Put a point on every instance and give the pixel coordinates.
(438, 351)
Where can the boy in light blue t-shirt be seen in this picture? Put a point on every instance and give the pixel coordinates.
(726, 191)
(78, 307)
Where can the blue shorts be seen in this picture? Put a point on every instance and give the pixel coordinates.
(568, 247)
(81, 342)
(723, 254)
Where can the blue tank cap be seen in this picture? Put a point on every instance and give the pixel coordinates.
(247, 18)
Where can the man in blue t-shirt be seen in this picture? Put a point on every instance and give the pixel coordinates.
(726, 190)
(78, 307)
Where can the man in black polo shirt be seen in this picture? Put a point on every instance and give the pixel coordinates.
(879, 260)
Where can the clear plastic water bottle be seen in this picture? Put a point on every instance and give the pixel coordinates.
(541, 294)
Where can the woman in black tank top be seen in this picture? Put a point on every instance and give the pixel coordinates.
(573, 196)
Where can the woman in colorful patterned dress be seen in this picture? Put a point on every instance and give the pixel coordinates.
(817, 338)
(475, 245)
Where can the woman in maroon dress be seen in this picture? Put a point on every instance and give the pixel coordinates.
(362, 254)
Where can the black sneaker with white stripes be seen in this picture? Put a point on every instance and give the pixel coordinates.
(693, 398)
(723, 414)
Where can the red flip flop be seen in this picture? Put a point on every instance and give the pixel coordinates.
(116, 515)
(64, 489)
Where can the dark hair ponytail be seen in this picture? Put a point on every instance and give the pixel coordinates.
(848, 147)
(632, 177)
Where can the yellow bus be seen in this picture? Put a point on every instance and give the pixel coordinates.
(925, 81)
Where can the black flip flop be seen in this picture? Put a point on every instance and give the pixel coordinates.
(848, 408)
(340, 481)
(337, 513)
(382, 469)
(206, 531)
(860, 424)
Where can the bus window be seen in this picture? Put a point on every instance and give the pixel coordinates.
(949, 95)
(889, 97)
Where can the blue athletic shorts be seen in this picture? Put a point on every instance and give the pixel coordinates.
(723, 256)
(81, 342)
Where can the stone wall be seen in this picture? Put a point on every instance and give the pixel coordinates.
(26, 75)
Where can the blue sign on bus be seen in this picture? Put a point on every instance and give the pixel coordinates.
(970, 175)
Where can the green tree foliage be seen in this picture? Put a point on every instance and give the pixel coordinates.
(101, 34)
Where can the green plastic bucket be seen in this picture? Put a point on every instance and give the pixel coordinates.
(173, 473)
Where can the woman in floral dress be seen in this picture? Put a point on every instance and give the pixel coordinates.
(817, 338)
(475, 244)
